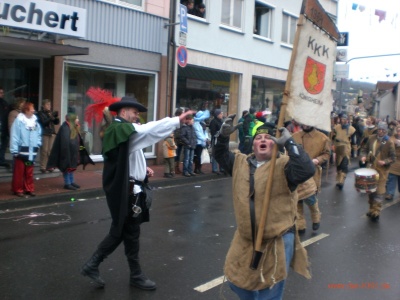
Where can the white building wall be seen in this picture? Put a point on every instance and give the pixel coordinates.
(213, 45)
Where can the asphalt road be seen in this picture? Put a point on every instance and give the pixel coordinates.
(183, 248)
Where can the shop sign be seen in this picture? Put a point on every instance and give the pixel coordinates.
(198, 84)
(44, 16)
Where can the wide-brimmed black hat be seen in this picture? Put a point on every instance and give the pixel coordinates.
(127, 102)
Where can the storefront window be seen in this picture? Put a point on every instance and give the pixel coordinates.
(197, 86)
(266, 94)
(77, 81)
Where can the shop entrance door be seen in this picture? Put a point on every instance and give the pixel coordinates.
(20, 78)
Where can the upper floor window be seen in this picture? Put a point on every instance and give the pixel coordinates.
(232, 11)
(128, 3)
(263, 20)
(195, 7)
(288, 28)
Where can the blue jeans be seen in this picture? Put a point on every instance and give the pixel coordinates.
(276, 292)
(188, 160)
(391, 184)
(215, 166)
(68, 178)
(310, 201)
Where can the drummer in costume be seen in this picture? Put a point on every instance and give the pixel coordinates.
(317, 145)
(342, 137)
(281, 243)
(379, 153)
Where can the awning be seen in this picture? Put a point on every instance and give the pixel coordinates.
(17, 47)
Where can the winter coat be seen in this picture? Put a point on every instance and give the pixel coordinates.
(25, 141)
(201, 134)
(280, 218)
(317, 145)
(68, 154)
(169, 147)
(47, 120)
(188, 136)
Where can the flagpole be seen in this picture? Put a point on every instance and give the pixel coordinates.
(258, 252)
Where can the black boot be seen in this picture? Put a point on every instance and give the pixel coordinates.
(138, 279)
(91, 269)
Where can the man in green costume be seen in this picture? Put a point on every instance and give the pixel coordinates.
(125, 178)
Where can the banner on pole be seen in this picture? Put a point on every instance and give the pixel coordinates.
(310, 98)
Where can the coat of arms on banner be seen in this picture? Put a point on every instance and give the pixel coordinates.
(314, 76)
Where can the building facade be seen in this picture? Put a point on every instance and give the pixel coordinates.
(116, 45)
(239, 54)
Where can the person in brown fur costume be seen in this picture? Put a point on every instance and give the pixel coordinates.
(379, 153)
(317, 145)
(342, 137)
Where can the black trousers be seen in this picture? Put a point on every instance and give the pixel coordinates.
(130, 236)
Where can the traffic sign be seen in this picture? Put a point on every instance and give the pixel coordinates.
(182, 38)
(183, 18)
(182, 56)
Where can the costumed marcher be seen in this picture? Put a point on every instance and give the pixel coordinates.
(342, 136)
(68, 151)
(317, 145)
(370, 129)
(125, 183)
(379, 154)
(25, 140)
(394, 170)
(47, 119)
(281, 244)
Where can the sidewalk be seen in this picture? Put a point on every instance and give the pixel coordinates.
(50, 189)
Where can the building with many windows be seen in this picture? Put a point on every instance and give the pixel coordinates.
(239, 53)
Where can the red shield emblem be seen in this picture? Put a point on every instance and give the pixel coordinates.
(314, 76)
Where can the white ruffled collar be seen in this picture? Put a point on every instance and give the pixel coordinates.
(30, 123)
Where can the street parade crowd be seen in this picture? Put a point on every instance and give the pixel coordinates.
(275, 172)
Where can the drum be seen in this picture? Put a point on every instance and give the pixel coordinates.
(366, 180)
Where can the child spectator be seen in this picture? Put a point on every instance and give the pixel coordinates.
(169, 150)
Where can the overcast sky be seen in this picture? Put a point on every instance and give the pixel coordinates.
(368, 36)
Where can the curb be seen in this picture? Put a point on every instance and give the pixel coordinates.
(62, 198)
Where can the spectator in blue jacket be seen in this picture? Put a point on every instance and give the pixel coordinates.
(25, 140)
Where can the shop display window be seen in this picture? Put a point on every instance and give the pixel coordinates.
(79, 78)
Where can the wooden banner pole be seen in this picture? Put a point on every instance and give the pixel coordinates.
(257, 254)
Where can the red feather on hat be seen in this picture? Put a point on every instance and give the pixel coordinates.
(102, 99)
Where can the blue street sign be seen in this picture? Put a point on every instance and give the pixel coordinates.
(183, 14)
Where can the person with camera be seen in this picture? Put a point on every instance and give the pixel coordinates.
(280, 243)
(125, 183)
(47, 119)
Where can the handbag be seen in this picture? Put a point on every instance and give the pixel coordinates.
(148, 190)
(205, 156)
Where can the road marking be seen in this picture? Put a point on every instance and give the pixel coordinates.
(314, 239)
(209, 285)
(217, 281)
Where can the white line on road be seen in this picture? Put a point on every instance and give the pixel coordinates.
(314, 239)
(209, 285)
(217, 281)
